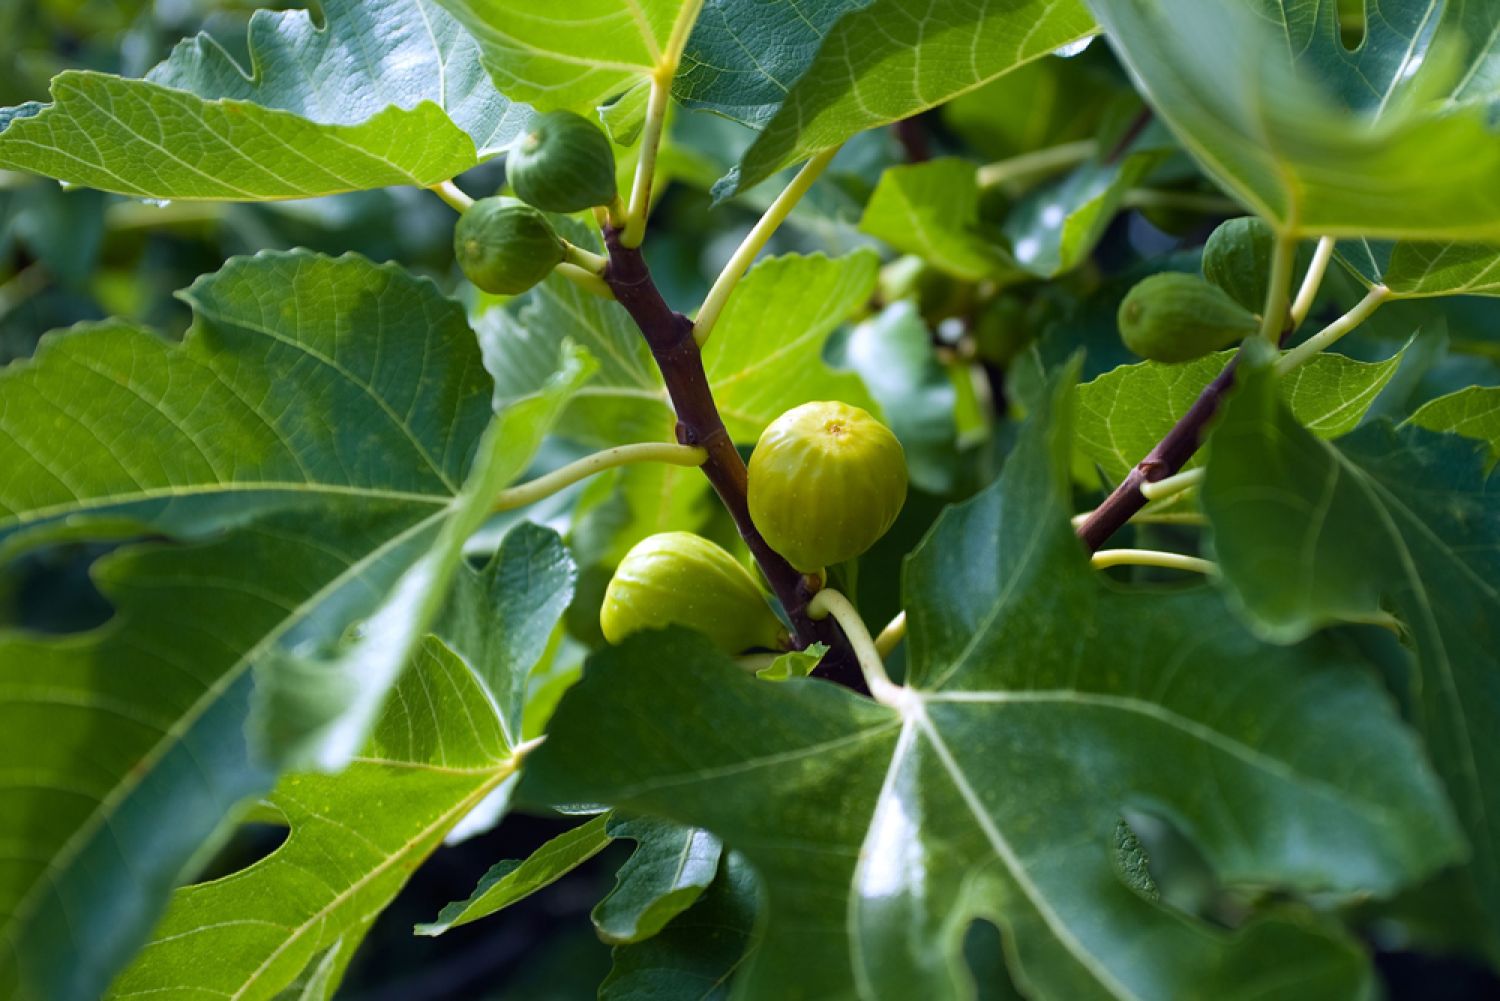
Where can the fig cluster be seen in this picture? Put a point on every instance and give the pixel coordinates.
(826, 481)
(563, 164)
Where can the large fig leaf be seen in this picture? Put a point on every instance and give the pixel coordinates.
(889, 59)
(1309, 532)
(1394, 139)
(440, 747)
(326, 416)
(1127, 410)
(575, 54)
(1043, 703)
(387, 92)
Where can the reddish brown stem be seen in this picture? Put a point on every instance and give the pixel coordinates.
(1166, 459)
(669, 334)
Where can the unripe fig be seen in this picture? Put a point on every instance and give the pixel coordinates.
(1237, 258)
(564, 164)
(1175, 317)
(682, 579)
(505, 246)
(826, 481)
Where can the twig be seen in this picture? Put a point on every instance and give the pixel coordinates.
(621, 455)
(669, 335)
(912, 136)
(1042, 161)
(1106, 558)
(1166, 459)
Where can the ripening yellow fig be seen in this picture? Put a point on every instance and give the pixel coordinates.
(682, 579)
(826, 481)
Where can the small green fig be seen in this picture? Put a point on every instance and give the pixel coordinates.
(505, 246)
(1174, 317)
(1237, 258)
(564, 164)
(826, 481)
(682, 579)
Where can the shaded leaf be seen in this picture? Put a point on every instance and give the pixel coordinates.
(697, 954)
(664, 876)
(1308, 533)
(1473, 412)
(888, 60)
(1390, 140)
(437, 751)
(513, 879)
(893, 353)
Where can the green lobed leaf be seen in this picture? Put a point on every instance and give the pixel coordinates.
(355, 838)
(1042, 708)
(1124, 412)
(313, 426)
(931, 210)
(513, 880)
(1416, 270)
(1308, 533)
(318, 706)
(1393, 140)
(577, 54)
(888, 60)
(765, 355)
(1473, 412)
(388, 92)
(670, 868)
(697, 954)
(304, 381)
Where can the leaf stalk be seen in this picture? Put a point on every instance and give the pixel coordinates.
(750, 248)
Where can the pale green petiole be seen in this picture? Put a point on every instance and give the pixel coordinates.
(622, 455)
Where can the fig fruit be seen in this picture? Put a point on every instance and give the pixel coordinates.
(564, 164)
(826, 481)
(1175, 317)
(682, 579)
(505, 246)
(1237, 258)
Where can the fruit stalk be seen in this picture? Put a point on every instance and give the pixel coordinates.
(669, 334)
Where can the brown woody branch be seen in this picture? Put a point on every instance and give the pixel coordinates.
(669, 334)
(1166, 459)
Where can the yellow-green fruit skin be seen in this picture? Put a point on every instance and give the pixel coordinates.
(826, 481)
(1174, 317)
(682, 579)
(505, 246)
